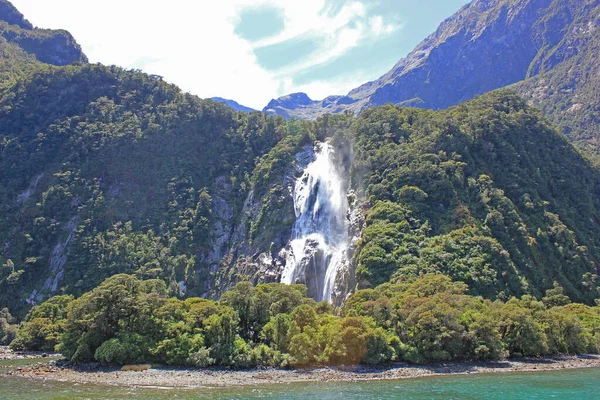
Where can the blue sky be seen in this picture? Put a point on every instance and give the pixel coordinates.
(249, 51)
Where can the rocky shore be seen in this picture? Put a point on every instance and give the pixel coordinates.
(182, 378)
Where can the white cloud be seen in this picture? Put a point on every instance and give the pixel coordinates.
(193, 43)
(304, 18)
(350, 27)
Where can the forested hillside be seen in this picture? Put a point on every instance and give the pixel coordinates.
(106, 171)
(486, 192)
(126, 174)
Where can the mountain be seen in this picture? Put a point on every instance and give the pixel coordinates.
(486, 45)
(486, 192)
(105, 171)
(125, 169)
(455, 234)
(148, 197)
(127, 174)
(233, 104)
(23, 47)
(299, 105)
(567, 86)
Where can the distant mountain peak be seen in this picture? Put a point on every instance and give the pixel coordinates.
(487, 45)
(233, 104)
(304, 107)
(299, 98)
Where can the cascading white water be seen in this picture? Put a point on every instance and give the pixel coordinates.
(319, 240)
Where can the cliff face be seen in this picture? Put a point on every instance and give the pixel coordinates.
(565, 79)
(486, 45)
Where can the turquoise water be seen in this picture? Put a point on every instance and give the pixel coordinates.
(570, 384)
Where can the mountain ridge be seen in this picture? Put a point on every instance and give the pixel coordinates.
(486, 45)
(24, 48)
(10, 14)
(233, 104)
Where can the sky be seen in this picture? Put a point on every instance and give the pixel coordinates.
(247, 50)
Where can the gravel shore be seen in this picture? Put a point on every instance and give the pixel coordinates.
(182, 378)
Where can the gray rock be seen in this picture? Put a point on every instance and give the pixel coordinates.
(486, 45)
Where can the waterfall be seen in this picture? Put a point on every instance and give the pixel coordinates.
(319, 243)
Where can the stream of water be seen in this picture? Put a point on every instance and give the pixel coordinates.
(319, 240)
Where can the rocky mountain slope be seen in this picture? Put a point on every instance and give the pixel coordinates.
(567, 86)
(233, 104)
(486, 45)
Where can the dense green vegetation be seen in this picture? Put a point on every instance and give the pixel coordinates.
(126, 320)
(126, 204)
(133, 174)
(485, 192)
(131, 161)
(8, 331)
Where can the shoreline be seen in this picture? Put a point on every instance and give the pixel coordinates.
(171, 377)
